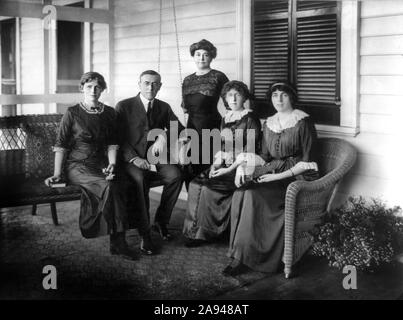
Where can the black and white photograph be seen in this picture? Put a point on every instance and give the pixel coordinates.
(200, 155)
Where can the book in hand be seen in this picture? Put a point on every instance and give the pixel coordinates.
(58, 184)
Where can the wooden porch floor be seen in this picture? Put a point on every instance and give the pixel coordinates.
(86, 270)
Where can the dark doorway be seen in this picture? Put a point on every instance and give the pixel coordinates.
(70, 55)
(8, 63)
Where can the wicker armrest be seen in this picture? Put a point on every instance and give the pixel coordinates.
(311, 198)
(308, 199)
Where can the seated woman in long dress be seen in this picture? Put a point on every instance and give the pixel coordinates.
(87, 139)
(257, 209)
(209, 195)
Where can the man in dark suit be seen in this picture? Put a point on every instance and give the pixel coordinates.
(137, 116)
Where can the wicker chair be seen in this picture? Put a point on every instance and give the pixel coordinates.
(26, 159)
(307, 202)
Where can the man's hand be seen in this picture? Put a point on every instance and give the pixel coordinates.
(141, 163)
(158, 146)
(183, 146)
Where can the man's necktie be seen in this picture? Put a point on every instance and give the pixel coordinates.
(149, 109)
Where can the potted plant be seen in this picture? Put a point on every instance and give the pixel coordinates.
(365, 234)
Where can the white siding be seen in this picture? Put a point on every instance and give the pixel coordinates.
(136, 42)
(377, 171)
(32, 62)
(100, 43)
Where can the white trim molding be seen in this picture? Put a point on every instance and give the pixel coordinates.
(244, 41)
(34, 10)
(67, 98)
(349, 68)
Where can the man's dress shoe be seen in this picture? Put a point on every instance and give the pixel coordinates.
(163, 231)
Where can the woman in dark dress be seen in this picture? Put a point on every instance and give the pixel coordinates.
(201, 92)
(209, 196)
(257, 209)
(87, 139)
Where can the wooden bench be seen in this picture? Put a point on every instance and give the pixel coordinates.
(26, 159)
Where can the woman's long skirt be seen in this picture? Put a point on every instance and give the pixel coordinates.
(209, 207)
(103, 209)
(257, 226)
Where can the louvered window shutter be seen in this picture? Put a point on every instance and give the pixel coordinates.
(298, 41)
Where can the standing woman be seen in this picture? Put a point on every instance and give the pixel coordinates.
(87, 139)
(257, 209)
(201, 92)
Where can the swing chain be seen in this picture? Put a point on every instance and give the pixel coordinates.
(160, 39)
(177, 43)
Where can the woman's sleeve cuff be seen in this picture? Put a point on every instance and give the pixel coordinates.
(59, 149)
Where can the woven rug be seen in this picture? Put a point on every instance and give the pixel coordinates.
(86, 270)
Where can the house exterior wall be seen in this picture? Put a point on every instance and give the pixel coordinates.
(377, 173)
(100, 42)
(381, 73)
(136, 44)
(32, 62)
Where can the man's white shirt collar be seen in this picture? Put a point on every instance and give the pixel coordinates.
(146, 101)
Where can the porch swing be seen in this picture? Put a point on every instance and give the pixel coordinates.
(176, 39)
(158, 183)
(183, 145)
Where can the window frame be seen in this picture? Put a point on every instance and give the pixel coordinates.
(86, 15)
(349, 63)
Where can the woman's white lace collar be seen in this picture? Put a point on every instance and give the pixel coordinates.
(273, 122)
(232, 116)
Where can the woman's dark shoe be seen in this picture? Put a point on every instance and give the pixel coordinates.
(162, 231)
(146, 246)
(192, 243)
(233, 270)
(118, 246)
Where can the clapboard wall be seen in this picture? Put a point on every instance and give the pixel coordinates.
(136, 30)
(99, 39)
(32, 62)
(377, 172)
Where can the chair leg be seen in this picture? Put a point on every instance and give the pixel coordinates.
(33, 210)
(54, 213)
(287, 272)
